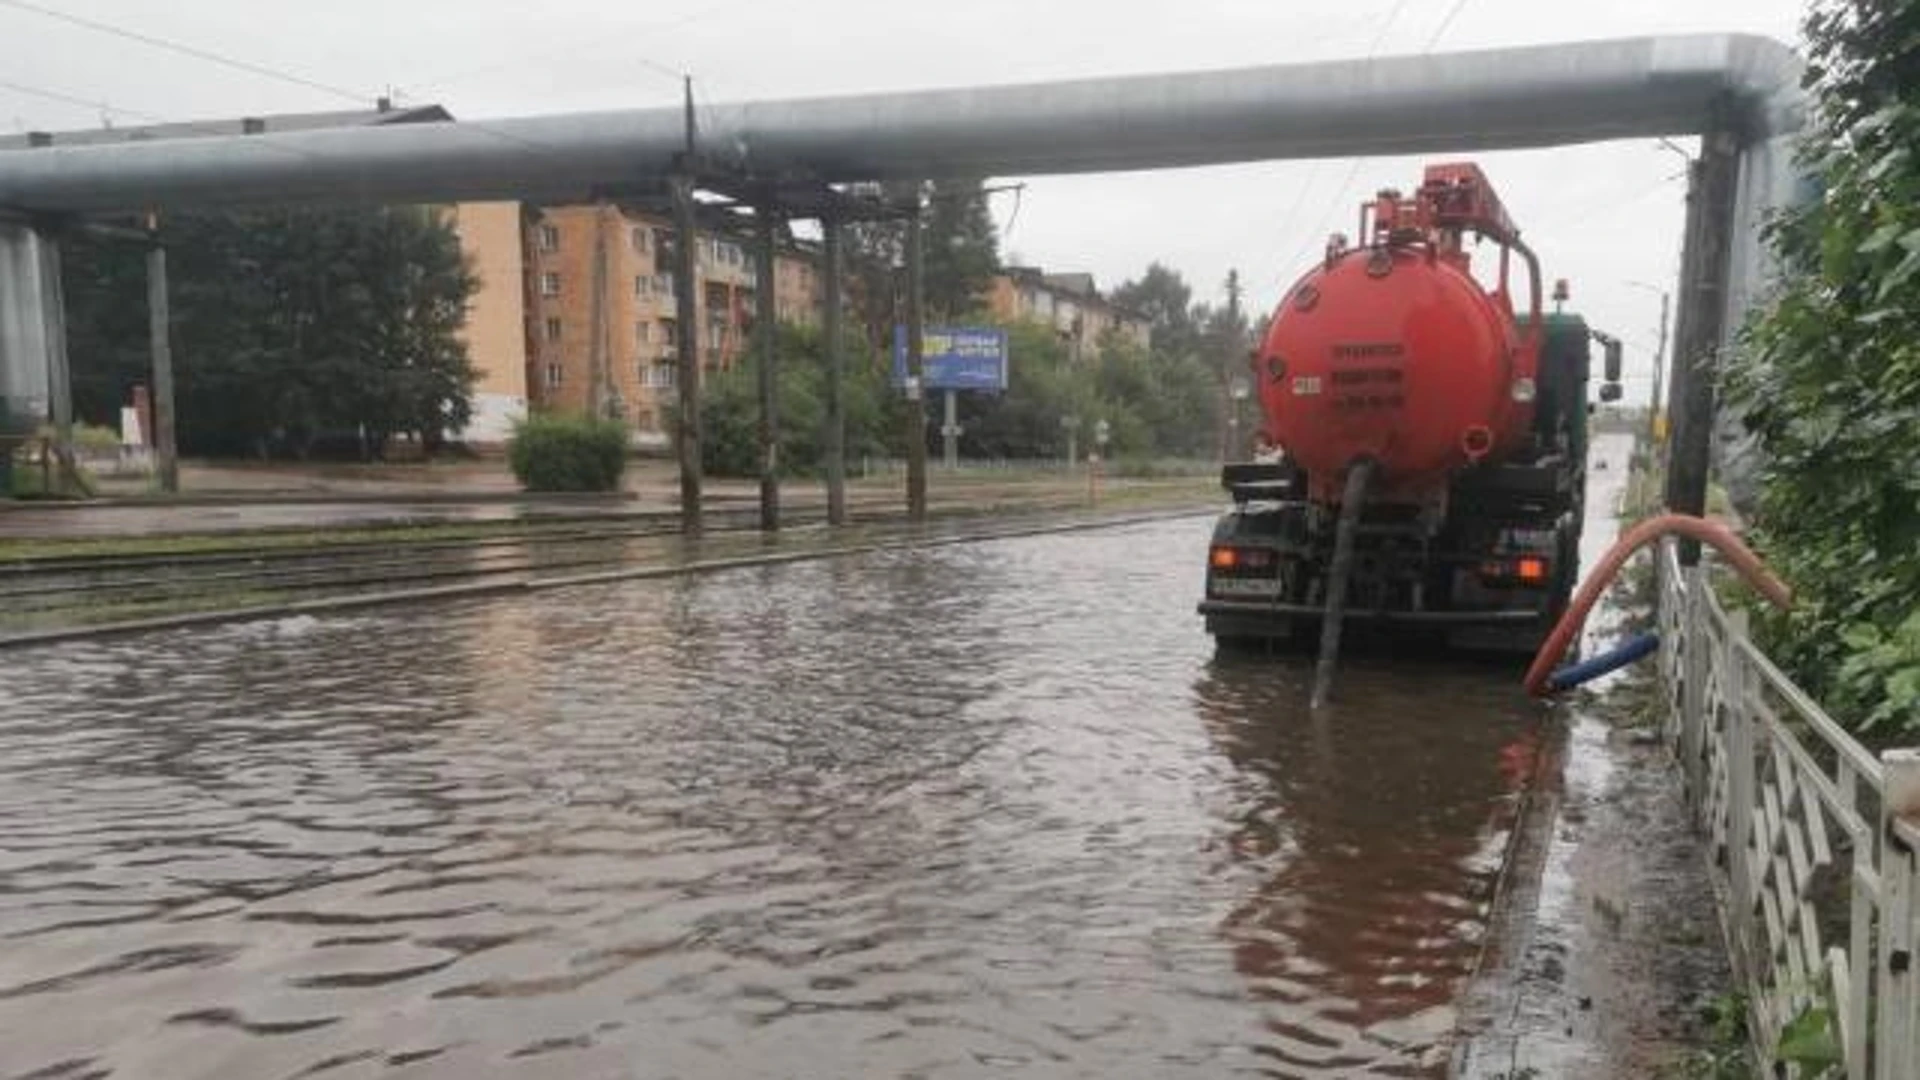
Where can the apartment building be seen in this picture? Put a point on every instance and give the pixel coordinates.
(547, 289)
(1071, 304)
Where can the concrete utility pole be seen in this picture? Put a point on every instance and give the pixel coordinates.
(1703, 310)
(836, 360)
(1654, 402)
(1654, 427)
(766, 327)
(1230, 364)
(159, 331)
(916, 364)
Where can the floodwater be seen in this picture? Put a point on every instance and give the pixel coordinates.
(989, 810)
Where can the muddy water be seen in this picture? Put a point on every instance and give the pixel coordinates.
(990, 810)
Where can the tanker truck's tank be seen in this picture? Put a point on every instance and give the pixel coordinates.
(23, 335)
(1398, 355)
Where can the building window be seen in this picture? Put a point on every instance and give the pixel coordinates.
(549, 238)
(642, 239)
(549, 284)
(643, 332)
(553, 329)
(657, 374)
(643, 286)
(664, 284)
(554, 372)
(669, 332)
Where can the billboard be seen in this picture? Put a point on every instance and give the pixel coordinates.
(956, 358)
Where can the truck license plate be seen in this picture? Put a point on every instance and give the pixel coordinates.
(1263, 588)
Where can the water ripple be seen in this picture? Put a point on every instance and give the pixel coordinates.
(979, 809)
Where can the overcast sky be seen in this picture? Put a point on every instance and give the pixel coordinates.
(1600, 216)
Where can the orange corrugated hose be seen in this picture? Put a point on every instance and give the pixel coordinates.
(1707, 532)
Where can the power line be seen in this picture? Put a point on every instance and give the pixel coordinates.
(1313, 174)
(1452, 13)
(1353, 170)
(70, 99)
(188, 50)
(433, 82)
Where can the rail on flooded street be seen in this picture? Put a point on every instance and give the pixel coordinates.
(1814, 840)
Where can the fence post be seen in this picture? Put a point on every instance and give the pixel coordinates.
(1896, 1057)
(1741, 803)
(1693, 685)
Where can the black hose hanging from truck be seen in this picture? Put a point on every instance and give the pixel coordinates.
(1352, 502)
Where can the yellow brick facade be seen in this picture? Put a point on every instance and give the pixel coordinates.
(640, 318)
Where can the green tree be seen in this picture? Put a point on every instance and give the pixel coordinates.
(960, 254)
(290, 328)
(1828, 380)
(1165, 298)
(962, 249)
(730, 408)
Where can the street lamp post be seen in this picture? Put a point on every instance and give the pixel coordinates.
(1655, 429)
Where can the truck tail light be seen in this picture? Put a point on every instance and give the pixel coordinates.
(1233, 558)
(1529, 571)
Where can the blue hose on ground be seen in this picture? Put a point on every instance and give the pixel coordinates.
(1585, 671)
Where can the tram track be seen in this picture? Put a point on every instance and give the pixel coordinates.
(48, 598)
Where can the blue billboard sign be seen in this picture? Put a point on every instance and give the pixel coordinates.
(955, 358)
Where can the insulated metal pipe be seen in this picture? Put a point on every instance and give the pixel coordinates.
(1485, 99)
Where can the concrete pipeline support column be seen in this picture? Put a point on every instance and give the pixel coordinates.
(24, 365)
(766, 330)
(166, 459)
(59, 373)
(1706, 268)
(916, 362)
(831, 320)
(686, 435)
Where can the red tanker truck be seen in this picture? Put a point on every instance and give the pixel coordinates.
(1431, 438)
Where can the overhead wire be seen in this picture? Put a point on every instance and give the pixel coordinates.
(102, 107)
(1386, 26)
(447, 79)
(196, 52)
(262, 70)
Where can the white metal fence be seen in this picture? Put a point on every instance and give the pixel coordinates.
(1813, 862)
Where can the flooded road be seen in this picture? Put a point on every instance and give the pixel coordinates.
(982, 810)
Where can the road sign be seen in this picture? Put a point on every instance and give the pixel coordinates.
(955, 358)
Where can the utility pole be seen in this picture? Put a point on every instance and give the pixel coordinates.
(1654, 400)
(687, 433)
(836, 360)
(160, 336)
(1704, 292)
(767, 330)
(1655, 429)
(916, 363)
(1230, 445)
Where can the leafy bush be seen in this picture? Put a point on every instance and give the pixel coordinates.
(730, 408)
(568, 453)
(1829, 379)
